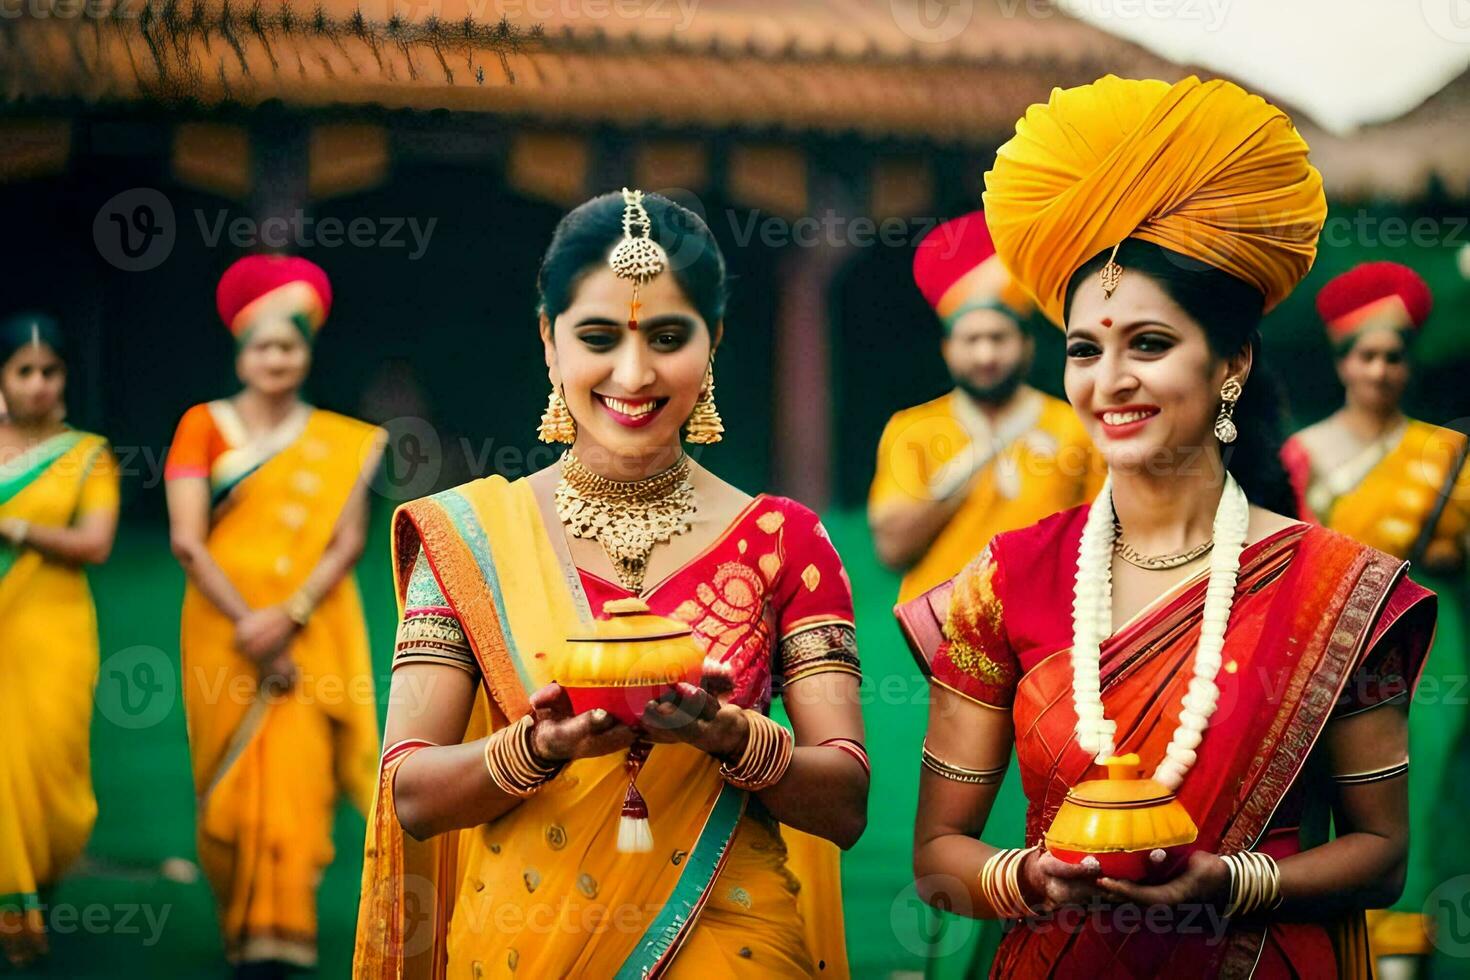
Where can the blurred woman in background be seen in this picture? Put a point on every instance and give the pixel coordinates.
(58, 513)
(268, 503)
(1401, 486)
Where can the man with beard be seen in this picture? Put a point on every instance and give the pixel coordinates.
(993, 453)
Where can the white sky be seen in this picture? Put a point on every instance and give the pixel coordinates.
(1344, 63)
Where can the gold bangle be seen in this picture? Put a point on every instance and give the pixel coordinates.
(768, 753)
(1372, 775)
(513, 766)
(300, 606)
(1000, 883)
(960, 774)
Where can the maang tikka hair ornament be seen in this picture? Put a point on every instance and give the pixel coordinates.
(1111, 274)
(637, 257)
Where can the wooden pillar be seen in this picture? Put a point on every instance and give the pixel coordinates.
(803, 357)
(280, 159)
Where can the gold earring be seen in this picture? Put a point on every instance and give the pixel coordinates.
(704, 426)
(557, 424)
(1225, 429)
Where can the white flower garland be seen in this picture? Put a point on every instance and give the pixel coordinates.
(1092, 616)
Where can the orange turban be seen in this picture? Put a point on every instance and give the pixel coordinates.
(1201, 168)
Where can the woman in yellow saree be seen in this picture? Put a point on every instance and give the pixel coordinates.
(506, 840)
(1402, 486)
(58, 512)
(268, 505)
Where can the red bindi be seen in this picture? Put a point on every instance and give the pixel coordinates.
(1107, 321)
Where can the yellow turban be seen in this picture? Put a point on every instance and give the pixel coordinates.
(1202, 168)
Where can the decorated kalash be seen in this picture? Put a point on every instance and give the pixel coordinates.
(1402, 486)
(1203, 693)
(994, 453)
(581, 776)
(268, 508)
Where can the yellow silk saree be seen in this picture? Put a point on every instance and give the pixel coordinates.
(268, 769)
(48, 670)
(542, 891)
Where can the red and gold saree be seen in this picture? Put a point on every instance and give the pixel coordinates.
(1321, 627)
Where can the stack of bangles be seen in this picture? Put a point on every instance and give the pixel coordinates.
(513, 766)
(1000, 883)
(1255, 883)
(766, 758)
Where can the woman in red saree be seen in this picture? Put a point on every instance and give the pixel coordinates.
(504, 839)
(1304, 720)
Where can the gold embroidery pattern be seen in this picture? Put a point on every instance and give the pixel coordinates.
(811, 577)
(819, 649)
(771, 521)
(433, 638)
(730, 613)
(975, 621)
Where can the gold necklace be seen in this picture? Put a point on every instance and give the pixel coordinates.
(626, 517)
(1156, 563)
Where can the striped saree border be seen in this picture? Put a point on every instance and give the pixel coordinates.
(22, 471)
(661, 941)
(459, 555)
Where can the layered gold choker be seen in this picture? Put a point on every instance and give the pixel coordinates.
(626, 517)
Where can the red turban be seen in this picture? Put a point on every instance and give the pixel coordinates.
(957, 270)
(254, 277)
(1374, 294)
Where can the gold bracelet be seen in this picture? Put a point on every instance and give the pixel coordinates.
(16, 530)
(513, 766)
(959, 774)
(767, 755)
(1000, 883)
(300, 606)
